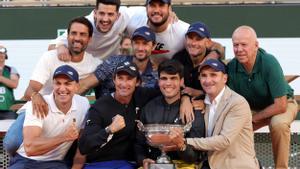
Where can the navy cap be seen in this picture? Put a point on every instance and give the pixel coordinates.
(129, 68)
(199, 28)
(215, 64)
(68, 71)
(145, 33)
(164, 1)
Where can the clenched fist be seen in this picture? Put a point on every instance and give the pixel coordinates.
(71, 132)
(117, 124)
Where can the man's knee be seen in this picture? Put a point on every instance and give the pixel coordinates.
(279, 128)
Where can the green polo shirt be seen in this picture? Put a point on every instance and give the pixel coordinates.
(265, 83)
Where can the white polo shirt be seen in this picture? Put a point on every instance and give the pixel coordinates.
(44, 69)
(55, 124)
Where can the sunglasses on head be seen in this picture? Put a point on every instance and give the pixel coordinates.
(3, 50)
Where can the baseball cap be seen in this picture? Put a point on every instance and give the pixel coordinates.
(68, 71)
(145, 33)
(127, 67)
(164, 1)
(215, 64)
(199, 28)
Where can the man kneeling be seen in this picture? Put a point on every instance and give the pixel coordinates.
(46, 141)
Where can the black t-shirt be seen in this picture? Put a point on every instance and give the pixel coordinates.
(158, 111)
(100, 115)
(190, 73)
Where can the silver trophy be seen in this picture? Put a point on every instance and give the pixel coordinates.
(150, 130)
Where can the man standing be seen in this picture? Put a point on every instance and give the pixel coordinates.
(165, 110)
(80, 32)
(110, 24)
(198, 45)
(257, 75)
(143, 42)
(170, 35)
(46, 141)
(229, 142)
(9, 80)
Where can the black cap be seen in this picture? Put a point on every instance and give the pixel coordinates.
(127, 67)
(163, 1)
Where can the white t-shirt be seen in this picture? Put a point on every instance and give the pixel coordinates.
(168, 42)
(55, 124)
(107, 44)
(47, 64)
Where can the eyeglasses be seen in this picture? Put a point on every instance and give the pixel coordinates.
(3, 50)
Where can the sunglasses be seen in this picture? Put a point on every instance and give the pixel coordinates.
(3, 50)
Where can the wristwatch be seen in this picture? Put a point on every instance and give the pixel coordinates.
(107, 130)
(183, 148)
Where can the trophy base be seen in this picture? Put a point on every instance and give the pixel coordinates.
(162, 166)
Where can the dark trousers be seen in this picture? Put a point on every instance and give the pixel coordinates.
(205, 165)
(20, 162)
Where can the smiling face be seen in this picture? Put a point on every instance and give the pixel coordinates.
(169, 85)
(78, 38)
(105, 17)
(125, 85)
(196, 46)
(64, 90)
(212, 81)
(141, 48)
(158, 12)
(245, 45)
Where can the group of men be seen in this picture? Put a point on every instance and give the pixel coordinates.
(173, 67)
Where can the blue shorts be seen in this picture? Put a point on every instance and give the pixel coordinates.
(114, 164)
(20, 162)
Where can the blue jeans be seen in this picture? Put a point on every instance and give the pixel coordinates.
(114, 164)
(20, 162)
(14, 136)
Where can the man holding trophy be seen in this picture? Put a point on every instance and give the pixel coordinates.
(161, 114)
(229, 138)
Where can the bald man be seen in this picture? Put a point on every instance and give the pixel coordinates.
(258, 76)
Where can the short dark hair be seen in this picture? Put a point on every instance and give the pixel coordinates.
(171, 67)
(83, 21)
(109, 2)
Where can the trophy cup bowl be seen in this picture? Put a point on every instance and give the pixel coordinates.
(161, 131)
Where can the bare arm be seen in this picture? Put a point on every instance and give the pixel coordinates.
(79, 160)
(51, 47)
(217, 50)
(34, 144)
(33, 87)
(39, 105)
(279, 106)
(11, 82)
(88, 83)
